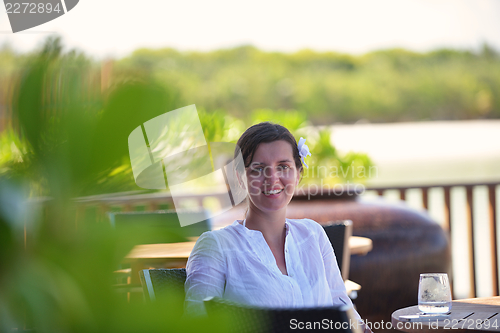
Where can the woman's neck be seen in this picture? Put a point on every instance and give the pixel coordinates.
(271, 225)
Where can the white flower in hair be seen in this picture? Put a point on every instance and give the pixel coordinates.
(303, 150)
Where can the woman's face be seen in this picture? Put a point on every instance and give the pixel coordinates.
(272, 176)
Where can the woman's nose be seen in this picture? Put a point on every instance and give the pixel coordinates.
(272, 175)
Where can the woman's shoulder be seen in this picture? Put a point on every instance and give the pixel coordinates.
(307, 222)
(305, 225)
(222, 235)
(216, 242)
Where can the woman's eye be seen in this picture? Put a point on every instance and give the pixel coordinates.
(284, 167)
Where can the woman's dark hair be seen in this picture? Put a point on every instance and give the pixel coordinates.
(264, 133)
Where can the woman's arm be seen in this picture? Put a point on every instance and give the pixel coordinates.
(206, 274)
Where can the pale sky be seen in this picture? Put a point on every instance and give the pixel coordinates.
(114, 28)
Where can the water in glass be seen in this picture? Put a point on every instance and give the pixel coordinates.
(434, 294)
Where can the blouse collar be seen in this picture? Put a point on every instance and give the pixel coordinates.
(250, 232)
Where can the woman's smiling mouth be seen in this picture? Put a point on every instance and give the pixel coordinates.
(272, 192)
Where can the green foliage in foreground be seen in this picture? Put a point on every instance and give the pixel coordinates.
(56, 264)
(56, 273)
(382, 86)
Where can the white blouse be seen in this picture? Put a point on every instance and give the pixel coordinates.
(236, 263)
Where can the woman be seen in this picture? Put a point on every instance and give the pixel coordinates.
(267, 259)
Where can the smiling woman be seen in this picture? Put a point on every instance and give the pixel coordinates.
(266, 259)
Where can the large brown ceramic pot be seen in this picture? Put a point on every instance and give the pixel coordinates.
(406, 242)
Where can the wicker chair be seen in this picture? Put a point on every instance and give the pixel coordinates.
(163, 283)
(165, 287)
(338, 233)
(247, 319)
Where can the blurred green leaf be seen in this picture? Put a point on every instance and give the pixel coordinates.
(69, 139)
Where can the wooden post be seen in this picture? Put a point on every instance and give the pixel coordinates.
(402, 194)
(447, 227)
(470, 233)
(425, 197)
(447, 209)
(493, 238)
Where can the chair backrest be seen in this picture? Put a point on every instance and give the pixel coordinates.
(162, 284)
(338, 233)
(159, 226)
(241, 318)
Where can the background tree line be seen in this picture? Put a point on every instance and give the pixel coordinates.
(382, 86)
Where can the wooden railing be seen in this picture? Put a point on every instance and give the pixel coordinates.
(449, 218)
(139, 200)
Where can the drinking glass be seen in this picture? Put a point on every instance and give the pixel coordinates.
(434, 294)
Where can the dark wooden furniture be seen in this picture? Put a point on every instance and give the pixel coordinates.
(247, 319)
